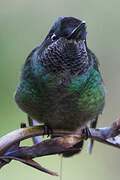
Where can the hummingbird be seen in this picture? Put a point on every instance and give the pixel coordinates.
(60, 82)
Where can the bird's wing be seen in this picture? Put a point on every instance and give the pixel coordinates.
(93, 57)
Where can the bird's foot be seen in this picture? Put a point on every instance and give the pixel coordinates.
(23, 125)
(86, 131)
(47, 130)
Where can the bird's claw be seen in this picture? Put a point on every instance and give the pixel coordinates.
(87, 133)
(47, 130)
(23, 125)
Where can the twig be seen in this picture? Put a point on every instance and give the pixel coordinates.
(30, 163)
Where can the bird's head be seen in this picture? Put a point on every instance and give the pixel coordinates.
(65, 45)
(68, 28)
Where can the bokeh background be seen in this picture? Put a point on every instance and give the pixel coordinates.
(24, 25)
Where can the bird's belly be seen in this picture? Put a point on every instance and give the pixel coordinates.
(59, 109)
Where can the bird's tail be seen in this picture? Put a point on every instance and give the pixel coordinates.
(77, 146)
(93, 124)
(71, 153)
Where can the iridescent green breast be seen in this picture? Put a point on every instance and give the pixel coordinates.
(61, 100)
(90, 90)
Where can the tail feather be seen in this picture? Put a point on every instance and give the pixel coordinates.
(71, 153)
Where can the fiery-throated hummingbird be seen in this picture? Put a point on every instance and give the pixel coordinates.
(60, 83)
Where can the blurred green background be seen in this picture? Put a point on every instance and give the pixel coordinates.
(24, 25)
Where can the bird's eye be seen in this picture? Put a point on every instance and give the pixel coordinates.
(53, 37)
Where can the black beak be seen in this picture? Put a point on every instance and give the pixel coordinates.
(76, 30)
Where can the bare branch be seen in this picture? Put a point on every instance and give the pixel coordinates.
(10, 149)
